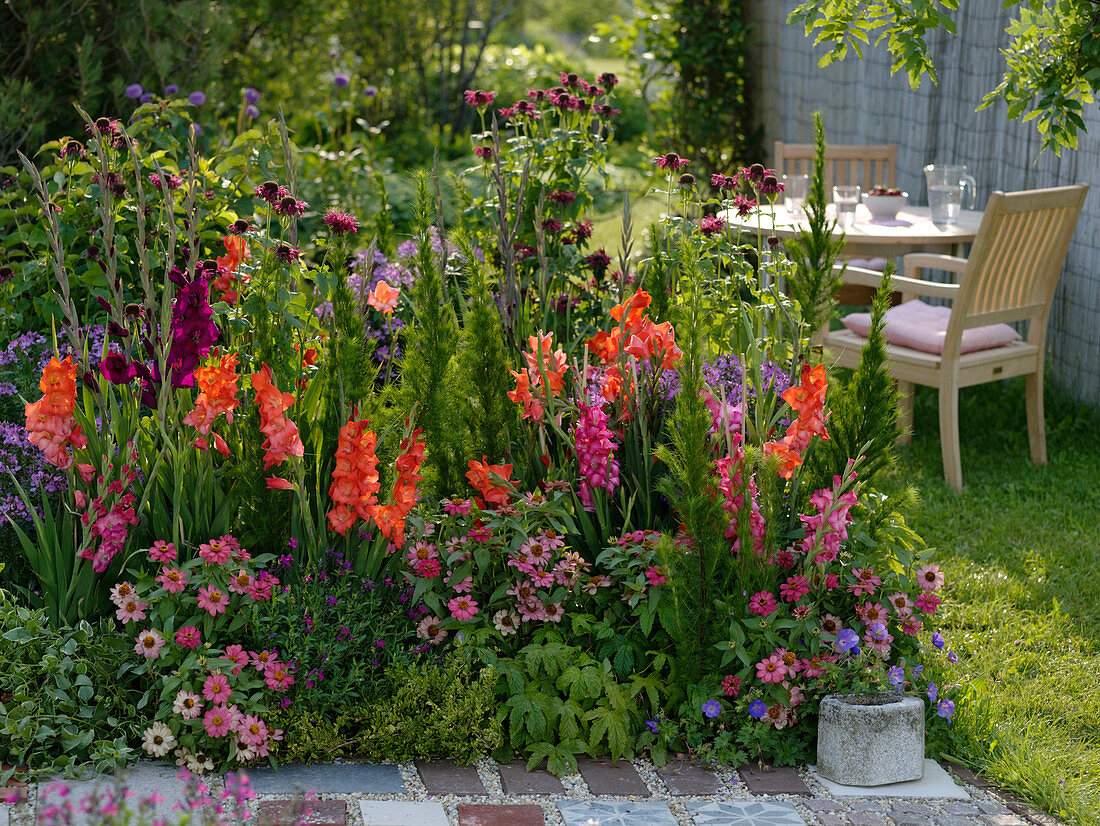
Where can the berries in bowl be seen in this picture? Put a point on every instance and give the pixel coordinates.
(883, 203)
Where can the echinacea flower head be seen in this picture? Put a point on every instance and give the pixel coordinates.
(757, 709)
(149, 643)
(158, 739)
(712, 708)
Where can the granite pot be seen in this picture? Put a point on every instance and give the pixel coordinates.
(870, 739)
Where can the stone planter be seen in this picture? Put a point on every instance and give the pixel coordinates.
(870, 739)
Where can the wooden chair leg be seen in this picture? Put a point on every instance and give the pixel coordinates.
(905, 412)
(949, 433)
(1036, 424)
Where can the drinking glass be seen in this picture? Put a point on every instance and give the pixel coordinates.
(846, 199)
(794, 196)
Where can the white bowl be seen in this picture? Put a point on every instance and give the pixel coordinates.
(884, 207)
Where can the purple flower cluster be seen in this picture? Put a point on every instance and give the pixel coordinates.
(725, 377)
(193, 329)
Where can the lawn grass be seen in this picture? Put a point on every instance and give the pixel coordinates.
(1021, 547)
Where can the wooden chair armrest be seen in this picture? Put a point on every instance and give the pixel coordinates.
(902, 284)
(914, 262)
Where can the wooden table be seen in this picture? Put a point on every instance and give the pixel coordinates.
(911, 231)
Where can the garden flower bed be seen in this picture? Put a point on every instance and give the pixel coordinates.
(322, 492)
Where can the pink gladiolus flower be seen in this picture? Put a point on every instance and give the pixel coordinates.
(188, 637)
(212, 600)
(162, 551)
(216, 689)
(462, 607)
(217, 721)
(149, 643)
(131, 611)
(172, 580)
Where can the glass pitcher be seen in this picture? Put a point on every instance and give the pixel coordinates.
(945, 192)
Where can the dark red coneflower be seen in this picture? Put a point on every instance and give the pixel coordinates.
(671, 161)
(287, 254)
(340, 222)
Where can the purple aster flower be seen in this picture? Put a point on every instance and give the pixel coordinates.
(757, 709)
(251, 95)
(171, 89)
(341, 81)
(712, 708)
(134, 91)
(197, 98)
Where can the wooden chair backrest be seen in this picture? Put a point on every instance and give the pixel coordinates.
(865, 166)
(1016, 259)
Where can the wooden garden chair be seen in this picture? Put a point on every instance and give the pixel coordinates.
(865, 166)
(1009, 276)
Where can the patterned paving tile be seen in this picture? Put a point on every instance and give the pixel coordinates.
(617, 813)
(329, 778)
(401, 813)
(745, 813)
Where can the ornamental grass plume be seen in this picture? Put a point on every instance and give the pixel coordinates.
(50, 423)
(282, 439)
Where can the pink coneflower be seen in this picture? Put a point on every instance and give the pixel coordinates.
(771, 669)
(929, 578)
(286, 253)
(240, 582)
(340, 222)
(188, 637)
(131, 611)
(188, 705)
(429, 629)
(720, 181)
(671, 161)
(122, 592)
(149, 643)
(215, 688)
(162, 551)
(215, 552)
(252, 730)
(462, 607)
(712, 225)
(212, 600)
(762, 603)
(218, 721)
(562, 197)
(172, 580)
(771, 185)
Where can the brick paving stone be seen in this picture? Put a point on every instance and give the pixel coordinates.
(867, 807)
(1004, 820)
(865, 819)
(402, 813)
(490, 814)
(683, 778)
(328, 778)
(918, 809)
(770, 780)
(619, 778)
(615, 813)
(447, 777)
(815, 804)
(968, 809)
(517, 780)
(967, 776)
(911, 820)
(1023, 809)
(829, 819)
(291, 812)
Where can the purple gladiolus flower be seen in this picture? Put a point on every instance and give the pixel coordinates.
(712, 708)
(341, 80)
(757, 709)
(251, 95)
(197, 98)
(847, 639)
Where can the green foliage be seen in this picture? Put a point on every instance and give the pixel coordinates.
(489, 414)
(1053, 55)
(61, 703)
(814, 281)
(440, 709)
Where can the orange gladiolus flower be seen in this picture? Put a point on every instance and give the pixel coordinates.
(282, 440)
(493, 482)
(808, 399)
(278, 483)
(355, 477)
(383, 297)
(50, 423)
(217, 383)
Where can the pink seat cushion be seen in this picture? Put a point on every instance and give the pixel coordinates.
(923, 327)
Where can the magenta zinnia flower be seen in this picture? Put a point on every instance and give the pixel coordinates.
(188, 637)
(172, 580)
(215, 552)
(462, 608)
(162, 551)
(340, 222)
(216, 689)
(213, 601)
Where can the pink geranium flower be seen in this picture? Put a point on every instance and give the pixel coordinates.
(763, 603)
(212, 600)
(218, 721)
(216, 689)
(162, 551)
(188, 637)
(771, 670)
(216, 552)
(149, 643)
(462, 607)
(929, 578)
(172, 580)
(131, 611)
(236, 655)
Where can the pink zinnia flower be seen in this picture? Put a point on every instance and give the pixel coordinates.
(928, 603)
(122, 592)
(172, 580)
(462, 608)
(866, 581)
(457, 506)
(763, 603)
(771, 669)
(277, 677)
(215, 552)
(429, 629)
(465, 586)
(188, 637)
(241, 582)
(131, 611)
(149, 643)
(655, 575)
(794, 588)
(218, 721)
(871, 612)
(212, 600)
(553, 612)
(929, 578)
(216, 689)
(252, 730)
(901, 604)
(831, 624)
(262, 659)
(236, 655)
(162, 551)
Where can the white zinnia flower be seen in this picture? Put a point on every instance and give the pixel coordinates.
(158, 739)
